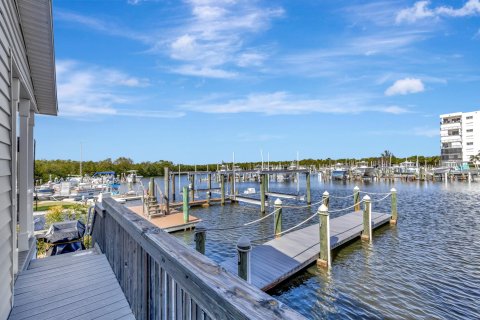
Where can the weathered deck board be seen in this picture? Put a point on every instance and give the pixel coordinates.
(278, 259)
(77, 285)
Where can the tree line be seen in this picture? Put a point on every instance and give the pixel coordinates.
(44, 169)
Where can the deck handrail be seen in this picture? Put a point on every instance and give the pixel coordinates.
(163, 278)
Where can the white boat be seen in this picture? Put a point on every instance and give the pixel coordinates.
(249, 191)
(339, 172)
(364, 170)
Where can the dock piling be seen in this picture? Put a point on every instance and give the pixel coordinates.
(200, 237)
(394, 213)
(209, 192)
(262, 193)
(278, 217)
(324, 259)
(309, 197)
(367, 219)
(326, 198)
(185, 204)
(244, 247)
(356, 198)
(166, 180)
(222, 189)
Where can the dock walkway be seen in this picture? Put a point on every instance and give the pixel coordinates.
(280, 258)
(79, 285)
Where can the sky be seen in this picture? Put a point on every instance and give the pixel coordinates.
(195, 81)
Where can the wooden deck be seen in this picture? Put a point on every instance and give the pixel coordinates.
(171, 222)
(278, 259)
(78, 285)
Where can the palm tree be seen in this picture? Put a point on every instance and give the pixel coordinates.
(475, 160)
(387, 156)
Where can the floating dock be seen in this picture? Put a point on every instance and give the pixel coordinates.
(171, 222)
(280, 258)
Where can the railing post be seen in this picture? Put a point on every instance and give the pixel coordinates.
(309, 198)
(185, 205)
(200, 237)
(262, 193)
(393, 219)
(151, 188)
(324, 259)
(222, 189)
(244, 248)
(356, 198)
(367, 219)
(326, 198)
(278, 217)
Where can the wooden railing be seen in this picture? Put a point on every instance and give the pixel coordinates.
(164, 279)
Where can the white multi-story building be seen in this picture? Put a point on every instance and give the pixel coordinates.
(459, 136)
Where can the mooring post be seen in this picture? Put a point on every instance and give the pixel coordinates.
(367, 219)
(232, 186)
(393, 219)
(324, 258)
(209, 192)
(192, 187)
(173, 187)
(185, 204)
(326, 198)
(151, 188)
(200, 237)
(262, 193)
(278, 217)
(307, 178)
(356, 198)
(166, 180)
(244, 248)
(222, 189)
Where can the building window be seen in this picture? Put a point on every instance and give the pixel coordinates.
(469, 130)
(469, 143)
(469, 117)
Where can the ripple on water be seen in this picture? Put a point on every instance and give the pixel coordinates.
(427, 267)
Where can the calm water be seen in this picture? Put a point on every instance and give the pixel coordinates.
(427, 267)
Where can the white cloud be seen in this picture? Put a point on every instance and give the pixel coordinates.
(283, 103)
(420, 10)
(86, 91)
(405, 86)
(205, 72)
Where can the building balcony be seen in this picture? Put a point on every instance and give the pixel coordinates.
(450, 126)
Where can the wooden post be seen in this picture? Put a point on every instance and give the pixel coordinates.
(173, 187)
(367, 219)
(356, 198)
(185, 204)
(307, 178)
(200, 237)
(166, 180)
(232, 186)
(278, 218)
(393, 219)
(209, 192)
(222, 189)
(262, 193)
(151, 188)
(244, 248)
(192, 187)
(326, 198)
(324, 258)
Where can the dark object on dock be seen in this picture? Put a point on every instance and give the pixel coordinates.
(65, 237)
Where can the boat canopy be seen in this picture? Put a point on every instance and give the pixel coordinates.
(101, 173)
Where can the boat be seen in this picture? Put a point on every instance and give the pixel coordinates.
(364, 170)
(339, 172)
(133, 177)
(249, 191)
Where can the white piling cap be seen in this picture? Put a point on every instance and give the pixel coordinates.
(356, 188)
(323, 208)
(244, 243)
(393, 190)
(366, 198)
(326, 193)
(278, 202)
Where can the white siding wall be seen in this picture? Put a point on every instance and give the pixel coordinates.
(10, 41)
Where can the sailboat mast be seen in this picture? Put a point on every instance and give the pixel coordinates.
(81, 159)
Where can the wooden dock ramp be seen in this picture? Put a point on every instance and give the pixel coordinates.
(279, 259)
(285, 195)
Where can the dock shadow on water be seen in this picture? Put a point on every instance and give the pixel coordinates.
(426, 267)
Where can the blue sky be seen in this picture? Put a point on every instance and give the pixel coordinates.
(193, 81)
